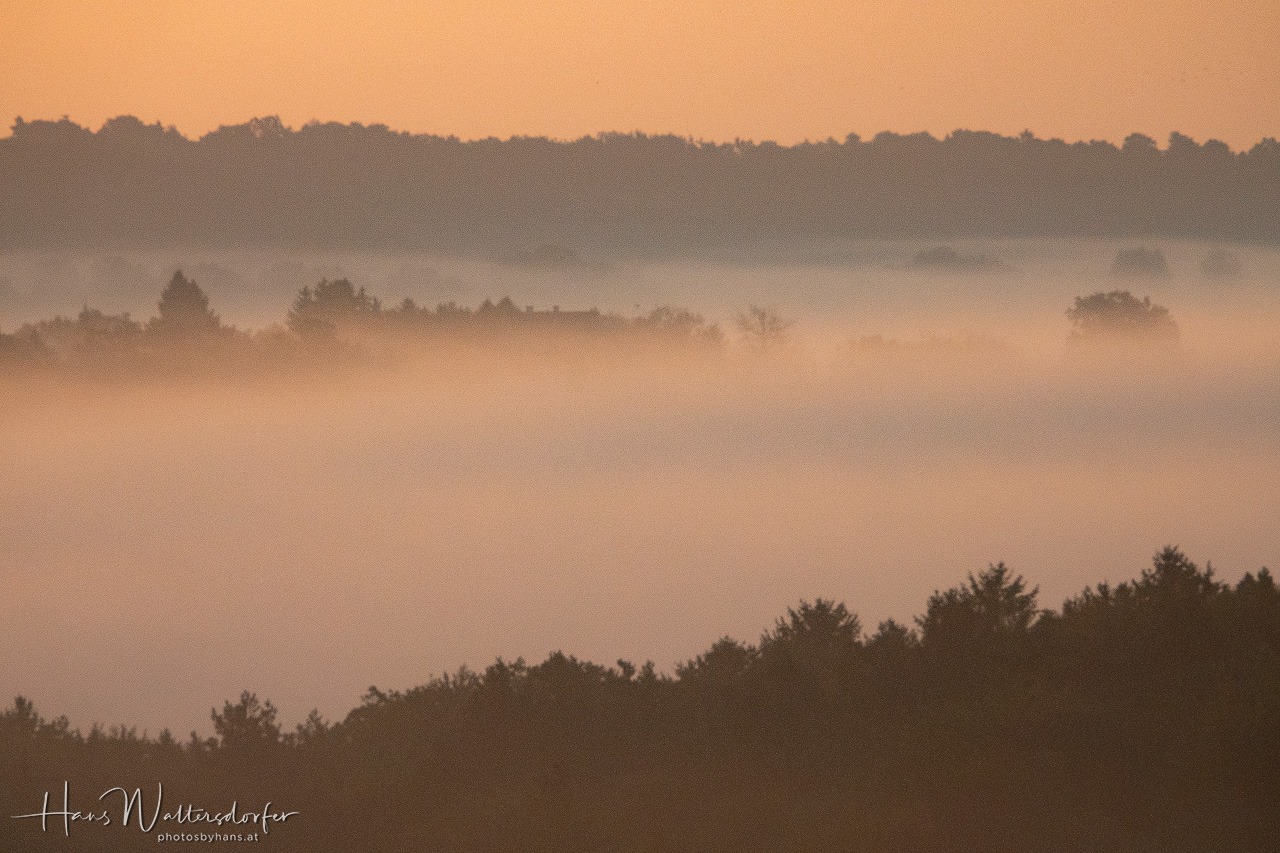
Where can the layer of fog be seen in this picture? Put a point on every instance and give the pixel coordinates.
(169, 546)
(872, 287)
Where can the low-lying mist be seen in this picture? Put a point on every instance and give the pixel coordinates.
(171, 543)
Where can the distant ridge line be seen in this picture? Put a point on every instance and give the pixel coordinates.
(354, 186)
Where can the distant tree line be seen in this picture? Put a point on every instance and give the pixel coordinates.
(336, 321)
(368, 187)
(1143, 716)
(333, 319)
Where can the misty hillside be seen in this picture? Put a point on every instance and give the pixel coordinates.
(337, 186)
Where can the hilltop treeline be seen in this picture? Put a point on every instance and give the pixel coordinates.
(1139, 717)
(368, 187)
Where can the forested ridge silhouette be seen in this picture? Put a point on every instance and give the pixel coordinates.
(353, 186)
(1138, 716)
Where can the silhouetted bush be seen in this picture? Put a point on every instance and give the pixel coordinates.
(1140, 262)
(947, 259)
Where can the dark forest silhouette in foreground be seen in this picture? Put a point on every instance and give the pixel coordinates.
(1139, 716)
(368, 187)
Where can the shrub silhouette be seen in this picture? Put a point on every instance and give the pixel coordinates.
(1139, 262)
(948, 259)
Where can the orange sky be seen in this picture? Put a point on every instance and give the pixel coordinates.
(712, 69)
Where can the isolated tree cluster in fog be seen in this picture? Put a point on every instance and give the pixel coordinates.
(1118, 316)
(1140, 262)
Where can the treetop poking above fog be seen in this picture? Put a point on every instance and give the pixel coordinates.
(369, 187)
(1120, 316)
(184, 311)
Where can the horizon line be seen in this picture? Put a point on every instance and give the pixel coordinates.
(852, 137)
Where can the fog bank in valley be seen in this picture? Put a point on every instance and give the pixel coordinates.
(170, 543)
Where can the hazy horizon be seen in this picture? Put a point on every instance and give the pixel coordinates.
(1161, 136)
(708, 69)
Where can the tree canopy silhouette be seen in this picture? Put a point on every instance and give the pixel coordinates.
(318, 312)
(1119, 316)
(184, 312)
(763, 329)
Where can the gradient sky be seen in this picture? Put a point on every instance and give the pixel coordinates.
(711, 69)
